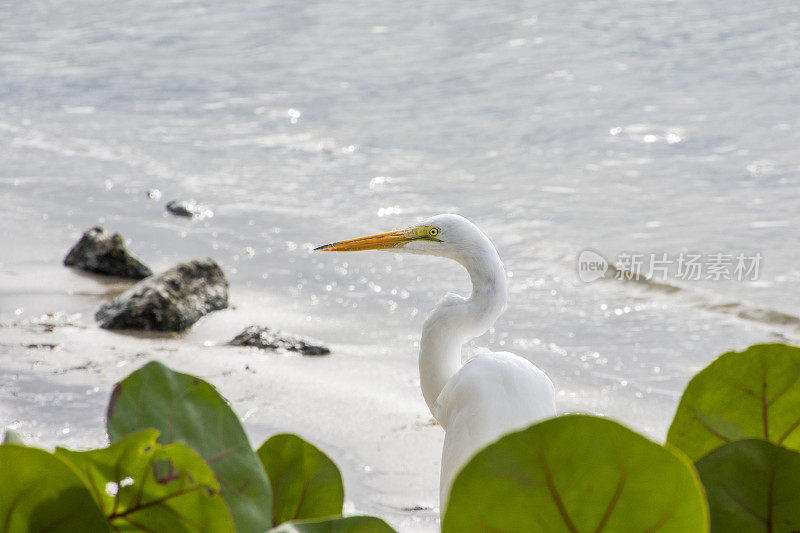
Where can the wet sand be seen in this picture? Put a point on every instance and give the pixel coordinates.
(57, 373)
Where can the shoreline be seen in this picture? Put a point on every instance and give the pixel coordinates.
(353, 404)
(361, 404)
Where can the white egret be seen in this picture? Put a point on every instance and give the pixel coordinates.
(491, 394)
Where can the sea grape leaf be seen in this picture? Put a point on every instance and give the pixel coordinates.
(186, 409)
(39, 492)
(142, 486)
(753, 486)
(348, 524)
(12, 437)
(749, 394)
(306, 484)
(576, 473)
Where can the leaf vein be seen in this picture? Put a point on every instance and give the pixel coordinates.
(623, 478)
(710, 429)
(551, 486)
(741, 504)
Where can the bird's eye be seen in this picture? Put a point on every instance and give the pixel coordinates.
(433, 232)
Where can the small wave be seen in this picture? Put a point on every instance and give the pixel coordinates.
(738, 309)
(89, 148)
(757, 314)
(620, 274)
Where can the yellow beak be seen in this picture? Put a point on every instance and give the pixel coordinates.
(393, 239)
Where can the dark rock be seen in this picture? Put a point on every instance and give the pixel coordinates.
(42, 346)
(101, 252)
(188, 208)
(268, 339)
(172, 301)
(181, 208)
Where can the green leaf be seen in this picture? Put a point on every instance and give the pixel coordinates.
(12, 437)
(305, 482)
(189, 410)
(142, 486)
(749, 394)
(349, 524)
(752, 486)
(576, 473)
(41, 493)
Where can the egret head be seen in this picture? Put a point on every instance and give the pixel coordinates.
(447, 235)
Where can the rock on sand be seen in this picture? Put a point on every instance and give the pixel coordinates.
(101, 252)
(267, 339)
(171, 301)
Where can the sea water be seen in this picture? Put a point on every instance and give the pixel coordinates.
(645, 127)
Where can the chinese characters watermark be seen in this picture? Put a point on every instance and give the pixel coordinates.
(685, 266)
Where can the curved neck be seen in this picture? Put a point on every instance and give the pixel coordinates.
(456, 320)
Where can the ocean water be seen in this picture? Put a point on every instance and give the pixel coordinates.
(644, 126)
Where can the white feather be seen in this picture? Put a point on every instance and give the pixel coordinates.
(494, 393)
(491, 395)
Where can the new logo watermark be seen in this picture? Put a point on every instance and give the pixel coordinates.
(685, 266)
(591, 266)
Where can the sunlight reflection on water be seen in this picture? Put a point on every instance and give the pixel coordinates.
(659, 126)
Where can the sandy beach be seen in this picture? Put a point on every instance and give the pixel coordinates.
(58, 371)
(357, 404)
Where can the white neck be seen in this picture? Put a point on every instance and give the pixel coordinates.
(456, 320)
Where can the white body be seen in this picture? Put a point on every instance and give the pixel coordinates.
(492, 394)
